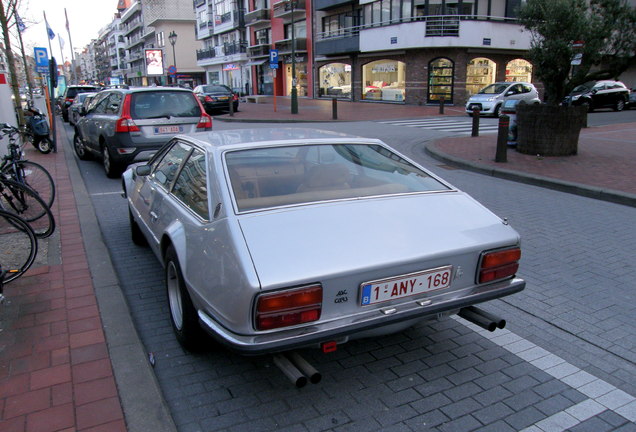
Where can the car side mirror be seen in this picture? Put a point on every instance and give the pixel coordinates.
(142, 170)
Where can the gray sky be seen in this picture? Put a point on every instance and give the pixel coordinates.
(86, 18)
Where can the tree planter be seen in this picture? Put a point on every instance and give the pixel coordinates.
(549, 130)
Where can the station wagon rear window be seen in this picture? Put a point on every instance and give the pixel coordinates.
(287, 175)
(163, 104)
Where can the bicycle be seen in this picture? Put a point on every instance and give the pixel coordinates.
(18, 247)
(31, 174)
(23, 201)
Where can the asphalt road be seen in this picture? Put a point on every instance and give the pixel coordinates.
(567, 359)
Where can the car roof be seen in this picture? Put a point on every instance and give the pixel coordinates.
(265, 137)
(148, 89)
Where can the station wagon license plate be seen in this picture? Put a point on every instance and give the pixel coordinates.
(406, 285)
(168, 129)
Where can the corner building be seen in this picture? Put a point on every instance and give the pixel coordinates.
(416, 52)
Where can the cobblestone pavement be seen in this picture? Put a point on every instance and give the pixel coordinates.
(566, 361)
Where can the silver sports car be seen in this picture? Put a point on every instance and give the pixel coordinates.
(274, 239)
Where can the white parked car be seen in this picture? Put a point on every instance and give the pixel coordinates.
(491, 98)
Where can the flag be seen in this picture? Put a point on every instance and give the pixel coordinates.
(50, 31)
(61, 40)
(18, 20)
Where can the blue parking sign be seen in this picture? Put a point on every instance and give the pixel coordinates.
(41, 60)
(273, 59)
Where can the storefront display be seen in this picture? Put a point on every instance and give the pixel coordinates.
(440, 80)
(479, 73)
(384, 80)
(335, 80)
(519, 70)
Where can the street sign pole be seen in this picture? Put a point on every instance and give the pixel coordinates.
(273, 65)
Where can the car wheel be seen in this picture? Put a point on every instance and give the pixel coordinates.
(588, 106)
(110, 167)
(497, 110)
(79, 148)
(620, 105)
(135, 232)
(183, 315)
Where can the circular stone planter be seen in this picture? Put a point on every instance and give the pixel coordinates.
(549, 130)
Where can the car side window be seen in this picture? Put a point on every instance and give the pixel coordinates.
(191, 187)
(113, 104)
(167, 168)
(99, 107)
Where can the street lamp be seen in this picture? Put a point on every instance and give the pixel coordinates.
(172, 37)
(294, 91)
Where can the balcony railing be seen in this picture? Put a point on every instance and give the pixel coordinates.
(206, 53)
(222, 50)
(283, 9)
(259, 15)
(198, 3)
(285, 46)
(258, 50)
(331, 4)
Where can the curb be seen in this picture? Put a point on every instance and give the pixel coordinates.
(145, 409)
(609, 195)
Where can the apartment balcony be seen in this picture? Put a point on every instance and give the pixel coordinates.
(283, 9)
(132, 26)
(258, 50)
(338, 42)
(285, 46)
(206, 53)
(323, 5)
(199, 3)
(258, 18)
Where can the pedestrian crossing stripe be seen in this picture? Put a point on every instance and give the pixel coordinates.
(447, 125)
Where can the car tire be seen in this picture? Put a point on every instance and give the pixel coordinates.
(620, 105)
(497, 110)
(110, 167)
(79, 147)
(136, 235)
(183, 315)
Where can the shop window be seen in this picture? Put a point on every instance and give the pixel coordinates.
(335, 80)
(440, 80)
(384, 80)
(519, 70)
(479, 73)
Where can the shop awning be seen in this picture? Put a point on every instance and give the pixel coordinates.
(258, 62)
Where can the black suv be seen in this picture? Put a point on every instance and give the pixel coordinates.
(70, 93)
(599, 94)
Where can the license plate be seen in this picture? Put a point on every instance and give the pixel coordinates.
(168, 129)
(223, 98)
(406, 285)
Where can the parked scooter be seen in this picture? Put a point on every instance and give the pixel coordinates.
(37, 130)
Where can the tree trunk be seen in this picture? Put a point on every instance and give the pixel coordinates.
(549, 130)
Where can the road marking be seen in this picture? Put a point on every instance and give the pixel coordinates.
(460, 126)
(106, 193)
(601, 394)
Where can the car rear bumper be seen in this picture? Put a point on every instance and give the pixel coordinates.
(337, 329)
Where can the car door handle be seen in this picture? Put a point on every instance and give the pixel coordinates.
(153, 216)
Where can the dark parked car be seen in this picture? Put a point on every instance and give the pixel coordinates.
(128, 125)
(69, 95)
(81, 101)
(599, 94)
(632, 99)
(216, 97)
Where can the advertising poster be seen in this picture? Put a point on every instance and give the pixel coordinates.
(154, 62)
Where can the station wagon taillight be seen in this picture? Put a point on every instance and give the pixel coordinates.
(499, 264)
(289, 307)
(205, 121)
(125, 123)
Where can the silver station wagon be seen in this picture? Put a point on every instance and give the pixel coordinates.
(275, 239)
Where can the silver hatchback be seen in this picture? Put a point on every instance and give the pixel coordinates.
(491, 98)
(122, 126)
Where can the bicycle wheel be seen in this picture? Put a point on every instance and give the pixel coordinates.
(23, 201)
(18, 245)
(36, 177)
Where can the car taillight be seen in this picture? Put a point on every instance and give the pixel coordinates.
(209, 99)
(499, 264)
(125, 123)
(288, 308)
(235, 96)
(205, 121)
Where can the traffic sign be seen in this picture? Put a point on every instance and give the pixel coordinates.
(172, 69)
(273, 59)
(41, 60)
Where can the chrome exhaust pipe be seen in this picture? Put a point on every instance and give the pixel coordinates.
(482, 318)
(307, 369)
(290, 370)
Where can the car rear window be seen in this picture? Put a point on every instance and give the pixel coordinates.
(159, 104)
(215, 89)
(277, 176)
(71, 92)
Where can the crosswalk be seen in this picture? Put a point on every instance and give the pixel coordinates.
(452, 125)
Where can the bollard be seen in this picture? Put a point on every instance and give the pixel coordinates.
(232, 106)
(441, 106)
(475, 131)
(334, 108)
(502, 139)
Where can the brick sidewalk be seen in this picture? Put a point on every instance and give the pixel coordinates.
(55, 370)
